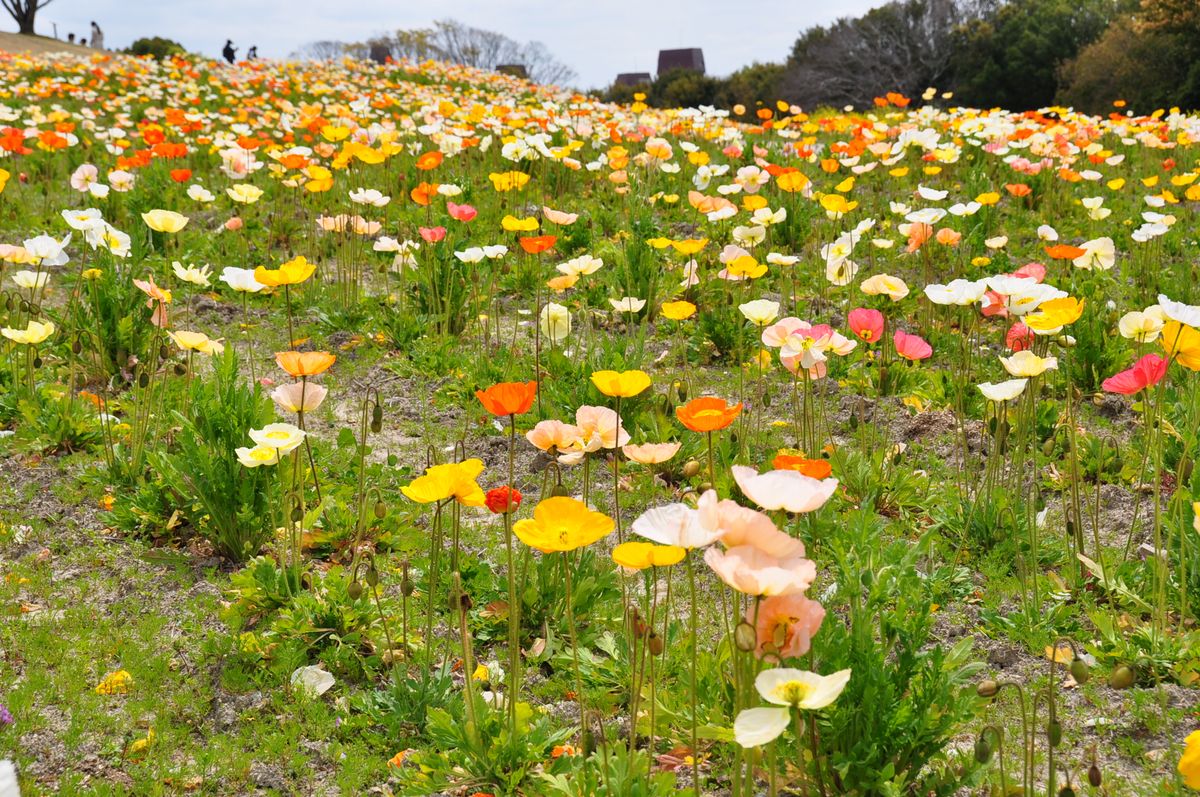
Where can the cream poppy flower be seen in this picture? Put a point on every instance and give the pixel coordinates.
(1027, 364)
(1003, 391)
(257, 456)
(786, 688)
(760, 312)
(167, 221)
(244, 193)
(885, 285)
(35, 332)
(1144, 327)
(193, 274)
(283, 437)
(241, 279)
(628, 304)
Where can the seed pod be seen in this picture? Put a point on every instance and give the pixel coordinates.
(734, 438)
(76, 346)
(37, 361)
(297, 514)
(1094, 776)
(372, 577)
(164, 352)
(1122, 678)
(1066, 791)
(983, 749)
(655, 643)
(380, 510)
(355, 590)
(691, 469)
(1080, 671)
(1054, 733)
(987, 688)
(406, 587)
(744, 636)
(143, 379)
(180, 369)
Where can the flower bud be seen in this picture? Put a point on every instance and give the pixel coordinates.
(987, 688)
(1080, 671)
(1122, 678)
(560, 491)
(1054, 733)
(377, 418)
(1094, 776)
(983, 749)
(355, 590)
(380, 510)
(691, 469)
(744, 637)
(655, 643)
(372, 577)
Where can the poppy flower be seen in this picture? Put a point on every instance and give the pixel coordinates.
(432, 234)
(786, 689)
(1182, 343)
(1145, 373)
(1018, 189)
(866, 324)
(461, 212)
(181, 175)
(1019, 338)
(911, 347)
(623, 384)
(305, 363)
(678, 311)
(502, 500)
(167, 221)
(1065, 252)
(536, 244)
(561, 524)
(442, 482)
(430, 160)
(784, 489)
(423, 193)
(813, 468)
(508, 398)
(640, 555)
(784, 625)
(707, 414)
(293, 272)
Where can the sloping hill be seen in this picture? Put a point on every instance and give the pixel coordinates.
(19, 43)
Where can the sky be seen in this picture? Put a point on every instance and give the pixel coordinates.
(597, 38)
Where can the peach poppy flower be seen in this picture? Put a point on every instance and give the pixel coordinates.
(552, 436)
(680, 525)
(752, 572)
(784, 489)
(918, 234)
(784, 625)
(299, 396)
(305, 363)
(707, 414)
(741, 525)
(559, 217)
(598, 428)
(651, 453)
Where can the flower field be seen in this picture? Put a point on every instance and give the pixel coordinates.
(413, 429)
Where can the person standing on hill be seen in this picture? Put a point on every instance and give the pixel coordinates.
(97, 36)
(230, 52)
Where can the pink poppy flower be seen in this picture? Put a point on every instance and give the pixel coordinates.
(911, 347)
(792, 618)
(461, 212)
(432, 234)
(866, 324)
(1019, 338)
(299, 396)
(1034, 271)
(1146, 372)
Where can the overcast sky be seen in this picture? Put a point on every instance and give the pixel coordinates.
(597, 38)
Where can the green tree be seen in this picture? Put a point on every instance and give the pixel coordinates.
(751, 85)
(1012, 57)
(682, 88)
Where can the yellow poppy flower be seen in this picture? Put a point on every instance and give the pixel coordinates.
(1182, 343)
(292, 272)
(678, 311)
(625, 384)
(640, 555)
(513, 224)
(165, 220)
(454, 480)
(562, 524)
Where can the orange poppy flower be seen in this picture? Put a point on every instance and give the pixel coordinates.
(1065, 252)
(1018, 189)
(424, 193)
(813, 468)
(430, 160)
(304, 363)
(508, 398)
(536, 244)
(707, 414)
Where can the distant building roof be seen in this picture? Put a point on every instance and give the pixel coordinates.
(516, 70)
(688, 58)
(632, 79)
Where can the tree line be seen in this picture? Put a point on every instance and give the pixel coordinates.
(1016, 54)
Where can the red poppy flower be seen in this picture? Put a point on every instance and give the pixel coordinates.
(502, 500)
(181, 175)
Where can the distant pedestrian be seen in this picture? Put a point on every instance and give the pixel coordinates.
(252, 53)
(83, 42)
(97, 37)
(70, 38)
(230, 52)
